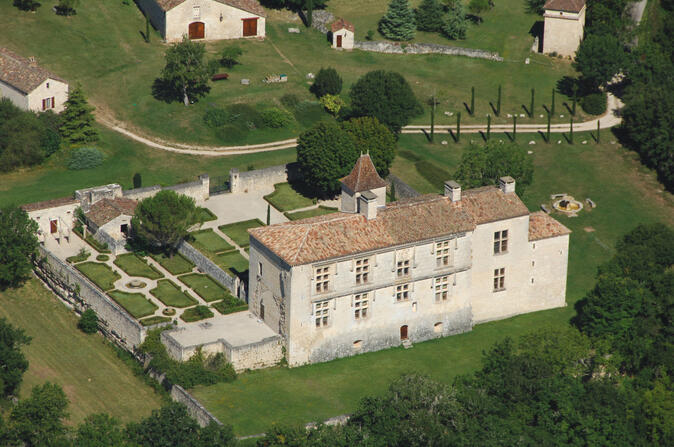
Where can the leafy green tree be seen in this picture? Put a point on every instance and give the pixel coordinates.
(599, 58)
(230, 56)
(373, 138)
(162, 221)
(40, 420)
(429, 16)
(78, 121)
(387, 96)
(27, 5)
(186, 73)
(325, 154)
(18, 246)
(12, 361)
(332, 103)
(306, 5)
(327, 82)
(484, 165)
(214, 435)
(398, 23)
(67, 7)
(22, 140)
(88, 322)
(455, 24)
(99, 430)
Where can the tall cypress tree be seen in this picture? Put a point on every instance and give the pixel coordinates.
(429, 16)
(78, 121)
(398, 23)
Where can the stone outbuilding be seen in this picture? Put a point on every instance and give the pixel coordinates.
(343, 33)
(110, 221)
(564, 26)
(205, 19)
(29, 86)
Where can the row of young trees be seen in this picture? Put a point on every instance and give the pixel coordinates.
(63, 7)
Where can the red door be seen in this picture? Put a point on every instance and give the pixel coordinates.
(53, 226)
(196, 30)
(403, 332)
(249, 27)
(339, 41)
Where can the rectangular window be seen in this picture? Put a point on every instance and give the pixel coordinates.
(196, 12)
(322, 278)
(500, 242)
(442, 254)
(360, 304)
(259, 268)
(47, 103)
(362, 270)
(441, 288)
(499, 279)
(403, 268)
(322, 313)
(402, 292)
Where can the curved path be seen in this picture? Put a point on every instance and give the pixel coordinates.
(608, 119)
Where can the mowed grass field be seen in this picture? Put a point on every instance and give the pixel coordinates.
(102, 48)
(85, 366)
(626, 195)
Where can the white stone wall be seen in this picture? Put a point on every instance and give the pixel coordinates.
(231, 26)
(18, 98)
(347, 39)
(563, 32)
(111, 234)
(349, 200)
(271, 288)
(49, 89)
(263, 354)
(548, 273)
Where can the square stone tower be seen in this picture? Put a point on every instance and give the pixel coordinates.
(564, 25)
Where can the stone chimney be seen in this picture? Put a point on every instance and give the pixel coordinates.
(507, 184)
(367, 204)
(453, 191)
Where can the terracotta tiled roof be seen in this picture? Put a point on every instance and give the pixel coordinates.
(489, 204)
(542, 226)
(21, 73)
(48, 204)
(363, 176)
(341, 23)
(105, 210)
(565, 5)
(252, 6)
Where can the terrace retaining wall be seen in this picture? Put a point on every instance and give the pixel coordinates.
(75, 289)
(262, 178)
(380, 46)
(194, 407)
(198, 190)
(402, 189)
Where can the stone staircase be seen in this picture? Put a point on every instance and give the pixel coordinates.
(407, 344)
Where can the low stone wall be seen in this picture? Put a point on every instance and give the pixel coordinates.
(210, 268)
(198, 190)
(262, 178)
(263, 354)
(402, 189)
(194, 407)
(379, 46)
(69, 284)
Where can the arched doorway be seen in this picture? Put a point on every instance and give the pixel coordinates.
(403, 332)
(197, 30)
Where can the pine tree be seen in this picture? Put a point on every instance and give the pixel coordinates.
(455, 25)
(429, 16)
(398, 23)
(78, 121)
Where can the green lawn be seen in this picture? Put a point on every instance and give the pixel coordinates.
(79, 257)
(196, 314)
(85, 366)
(154, 320)
(205, 215)
(170, 294)
(134, 303)
(136, 266)
(232, 261)
(285, 198)
(238, 231)
(100, 274)
(229, 305)
(176, 264)
(204, 286)
(321, 210)
(208, 242)
(626, 195)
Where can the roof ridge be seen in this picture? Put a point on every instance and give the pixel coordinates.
(304, 239)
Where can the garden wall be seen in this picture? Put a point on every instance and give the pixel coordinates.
(207, 266)
(198, 190)
(402, 189)
(69, 284)
(379, 46)
(262, 178)
(195, 409)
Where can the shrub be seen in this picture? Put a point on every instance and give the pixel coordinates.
(594, 103)
(88, 322)
(85, 158)
(215, 117)
(369, 35)
(230, 56)
(455, 25)
(332, 103)
(276, 118)
(290, 100)
(327, 82)
(196, 313)
(102, 258)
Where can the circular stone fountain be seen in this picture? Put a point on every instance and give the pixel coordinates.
(135, 284)
(568, 204)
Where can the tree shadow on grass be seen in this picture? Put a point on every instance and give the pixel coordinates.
(163, 91)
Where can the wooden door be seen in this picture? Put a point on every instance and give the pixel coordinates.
(403, 332)
(197, 30)
(53, 226)
(249, 27)
(339, 41)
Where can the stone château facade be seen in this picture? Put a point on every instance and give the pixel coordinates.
(564, 26)
(376, 275)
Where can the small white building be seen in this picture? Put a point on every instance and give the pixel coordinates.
(379, 275)
(55, 218)
(109, 220)
(29, 86)
(564, 26)
(205, 19)
(342, 34)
